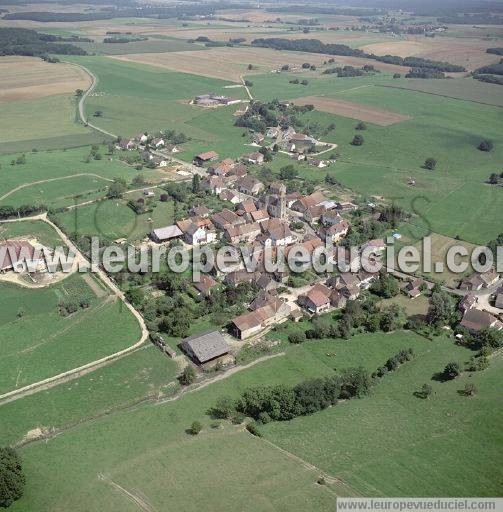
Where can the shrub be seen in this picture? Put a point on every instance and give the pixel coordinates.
(358, 140)
(12, 479)
(430, 164)
(485, 145)
(195, 428)
(297, 337)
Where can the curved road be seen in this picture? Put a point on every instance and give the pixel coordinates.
(89, 367)
(94, 83)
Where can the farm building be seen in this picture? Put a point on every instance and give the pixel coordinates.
(203, 158)
(206, 347)
(165, 234)
(17, 255)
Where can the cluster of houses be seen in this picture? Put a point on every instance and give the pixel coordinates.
(146, 143)
(475, 319)
(213, 100)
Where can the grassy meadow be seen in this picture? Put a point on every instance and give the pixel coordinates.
(136, 98)
(384, 444)
(44, 123)
(126, 446)
(38, 342)
(114, 219)
(67, 166)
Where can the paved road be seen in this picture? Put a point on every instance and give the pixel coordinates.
(89, 367)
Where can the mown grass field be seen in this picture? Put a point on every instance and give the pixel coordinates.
(67, 164)
(384, 444)
(37, 342)
(40, 123)
(136, 98)
(36, 229)
(114, 219)
(128, 446)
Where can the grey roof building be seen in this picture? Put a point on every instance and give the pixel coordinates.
(205, 347)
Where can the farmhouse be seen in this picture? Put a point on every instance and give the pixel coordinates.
(335, 232)
(166, 234)
(316, 300)
(126, 144)
(205, 285)
(226, 218)
(250, 185)
(478, 280)
(206, 347)
(17, 255)
(273, 312)
(254, 158)
(204, 158)
(215, 184)
(467, 302)
(230, 195)
(305, 202)
(223, 168)
(242, 233)
(476, 320)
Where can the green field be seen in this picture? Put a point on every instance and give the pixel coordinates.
(114, 219)
(37, 229)
(37, 342)
(136, 98)
(44, 123)
(66, 164)
(384, 445)
(145, 373)
(128, 446)
(154, 44)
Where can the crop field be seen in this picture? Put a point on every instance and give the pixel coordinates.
(383, 444)
(353, 110)
(113, 219)
(37, 106)
(37, 342)
(74, 179)
(231, 63)
(470, 53)
(28, 78)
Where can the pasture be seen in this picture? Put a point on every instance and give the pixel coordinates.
(113, 219)
(132, 445)
(384, 444)
(73, 180)
(121, 446)
(38, 342)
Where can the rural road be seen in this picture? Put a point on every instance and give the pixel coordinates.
(82, 100)
(89, 367)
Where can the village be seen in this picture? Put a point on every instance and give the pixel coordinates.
(265, 216)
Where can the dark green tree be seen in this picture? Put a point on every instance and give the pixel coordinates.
(12, 478)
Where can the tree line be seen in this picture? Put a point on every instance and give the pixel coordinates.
(22, 41)
(316, 46)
